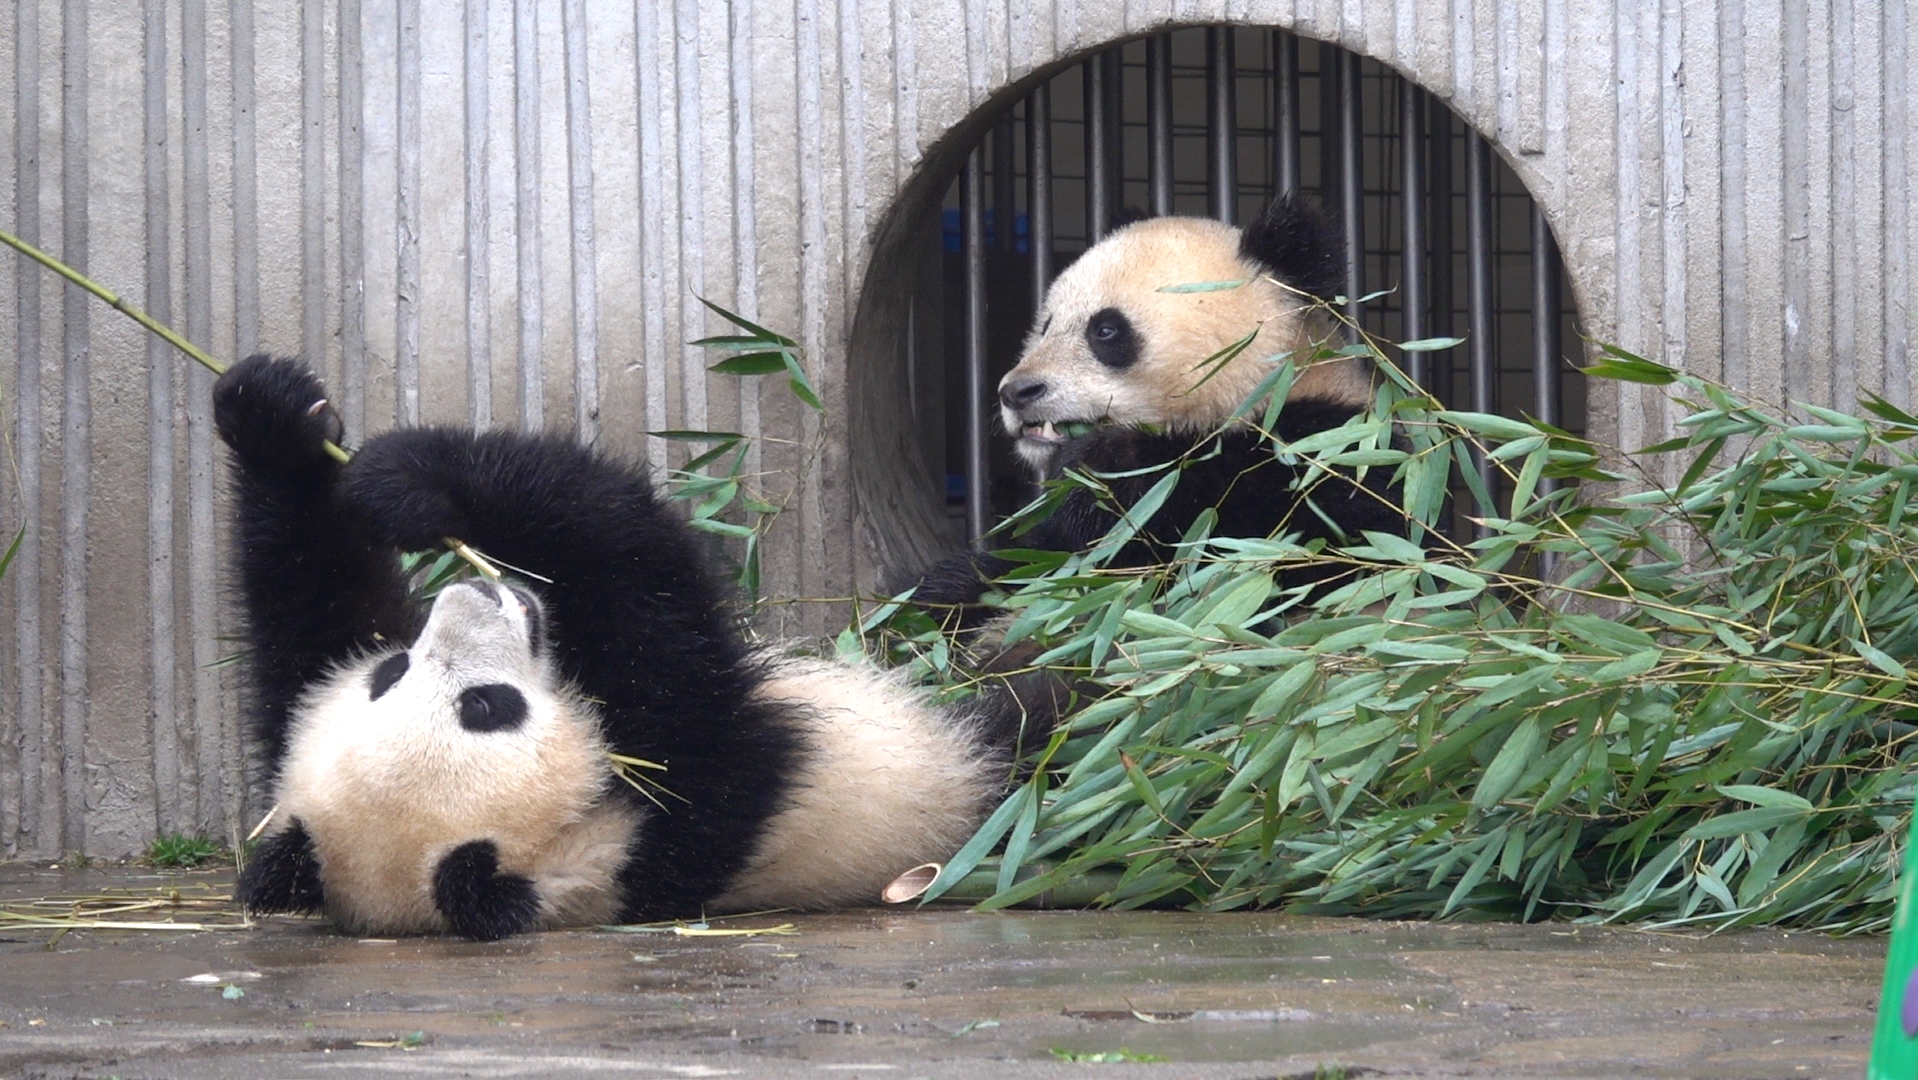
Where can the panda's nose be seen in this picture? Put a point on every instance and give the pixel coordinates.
(1016, 394)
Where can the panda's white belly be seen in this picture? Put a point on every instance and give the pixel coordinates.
(889, 782)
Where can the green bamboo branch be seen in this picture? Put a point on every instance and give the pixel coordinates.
(116, 302)
(173, 338)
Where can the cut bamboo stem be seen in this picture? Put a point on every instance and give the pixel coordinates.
(171, 337)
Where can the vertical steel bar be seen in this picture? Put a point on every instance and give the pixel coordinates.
(1545, 345)
(1039, 198)
(1412, 287)
(1478, 259)
(1112, 61)
(1285, 110)
(1222, 122)
(1438, 174)
(1158, 121)
(1098, 151)
(1328, 77)
(1547, 311)
(1351, 180)
(1004, 180)
(977, 480)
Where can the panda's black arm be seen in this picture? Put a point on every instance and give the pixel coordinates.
(627, 590)
(1234, 473)
(952, 587)
(316, 588)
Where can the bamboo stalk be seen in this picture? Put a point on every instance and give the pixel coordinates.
(173, 338)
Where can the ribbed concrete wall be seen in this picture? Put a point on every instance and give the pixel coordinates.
(503, 212)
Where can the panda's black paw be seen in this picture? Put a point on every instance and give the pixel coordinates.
(477, 900)
(281, 875)
(403, 483)
(275, 415)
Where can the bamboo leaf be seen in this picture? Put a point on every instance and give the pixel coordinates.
(1203, 286)
(1764, 796)
(1437, 344)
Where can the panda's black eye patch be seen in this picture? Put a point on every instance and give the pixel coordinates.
(493, 707)
(1113, 341)
(387, 674)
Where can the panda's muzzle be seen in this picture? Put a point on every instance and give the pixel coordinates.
(1018, 393)
(1021, 392)
(535, 617)
(463, 613)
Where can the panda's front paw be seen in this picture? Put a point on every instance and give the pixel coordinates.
(402, 483)
(477, 900)
(275, 415)
(282, 875)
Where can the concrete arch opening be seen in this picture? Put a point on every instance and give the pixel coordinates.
(1442, 239)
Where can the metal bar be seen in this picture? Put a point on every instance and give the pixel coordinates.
(1004, 181)
(1285, 110)
(1351, 180)
(1039, 198)
(1545, 347)
(1546, 313)
(1412, 290)
(1438, 174)
(1222, 122)
(977, 480)
(1478, 272)
(1158, 121)
(1328, 77)
(1098, 152)
(1113, 62)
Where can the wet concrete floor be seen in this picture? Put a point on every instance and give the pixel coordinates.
(935, 993)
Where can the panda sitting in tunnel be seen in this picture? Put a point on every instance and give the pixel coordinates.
(446, 769)
(1113, 381)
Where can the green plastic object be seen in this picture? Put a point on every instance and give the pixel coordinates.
(1894, 1043)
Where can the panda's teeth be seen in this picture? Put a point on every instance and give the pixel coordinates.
(1043, 432)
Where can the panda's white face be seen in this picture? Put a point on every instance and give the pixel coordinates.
(1110, 346)
(467, 735)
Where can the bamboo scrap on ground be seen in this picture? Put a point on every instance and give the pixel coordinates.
(171, 907)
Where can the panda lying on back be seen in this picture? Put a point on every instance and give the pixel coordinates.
(449, 773)
(1112, 381)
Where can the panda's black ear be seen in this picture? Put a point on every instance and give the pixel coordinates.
(282, 875)
(1295, 240)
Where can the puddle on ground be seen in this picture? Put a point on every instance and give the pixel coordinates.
(1234, 1040)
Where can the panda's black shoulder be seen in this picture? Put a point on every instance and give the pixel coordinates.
(1299, 243)
(1120, 449)
(1233, 472)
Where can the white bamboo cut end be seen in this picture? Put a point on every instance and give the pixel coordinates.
(911, 884)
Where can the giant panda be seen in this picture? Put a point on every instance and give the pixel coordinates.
(445, 770)
(1112, 380)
